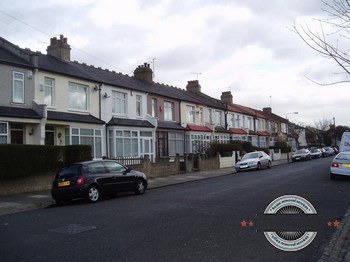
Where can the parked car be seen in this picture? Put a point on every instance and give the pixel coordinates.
(92, 179)
(316, 153)
(253, 160)
(301, 154)
(340, 165)
(328, 151)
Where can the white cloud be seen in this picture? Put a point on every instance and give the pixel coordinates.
(243, 46)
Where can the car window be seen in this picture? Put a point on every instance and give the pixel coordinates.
(343, 156)
(250, 155)
(70, 171)
(95, 168)
(114, 167)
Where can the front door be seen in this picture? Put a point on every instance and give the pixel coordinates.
(147, 147)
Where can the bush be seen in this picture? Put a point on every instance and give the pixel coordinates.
(28, 160)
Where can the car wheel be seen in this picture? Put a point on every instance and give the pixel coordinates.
(258, 167)
(333, 176)
(93, 194)
(140, 187)
(269, 165)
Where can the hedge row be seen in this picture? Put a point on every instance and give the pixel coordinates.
(27, 160)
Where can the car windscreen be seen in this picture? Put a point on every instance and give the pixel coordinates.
(68, 172)
(343, 156)
(250, 155)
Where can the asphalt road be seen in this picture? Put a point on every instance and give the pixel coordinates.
(195, 221)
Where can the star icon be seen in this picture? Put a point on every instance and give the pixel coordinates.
(329, 224)
(336, 223)
(244, 223)
(251, 223)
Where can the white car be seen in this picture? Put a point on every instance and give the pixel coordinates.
(254, 160)
(340, 165)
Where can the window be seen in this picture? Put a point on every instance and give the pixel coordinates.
(18, 87)
(119, 103)
(168, 111)
(48, 90)
(218, 118)
(85, 136)
(3, 133)
(114, 167)
(232, 120)
(138, 105)
(127, 143)
(210, 114)
(16, 133)
(191, 114)
(78, 97)
(176, 143)
(154, 107)
(201, 116)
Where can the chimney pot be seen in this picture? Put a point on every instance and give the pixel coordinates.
(144, 73)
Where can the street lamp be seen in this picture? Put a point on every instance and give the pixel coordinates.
(287, 127)
(335, 137)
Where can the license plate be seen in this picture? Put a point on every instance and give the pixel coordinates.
(64, 183)
(346, 165)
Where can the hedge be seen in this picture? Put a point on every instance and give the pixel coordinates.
(28, 160)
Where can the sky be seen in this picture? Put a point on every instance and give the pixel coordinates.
(246, 47)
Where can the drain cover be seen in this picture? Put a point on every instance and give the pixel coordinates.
(72, 229)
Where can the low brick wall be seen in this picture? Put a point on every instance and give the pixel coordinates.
(28, 184)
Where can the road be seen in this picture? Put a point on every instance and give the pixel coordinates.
(195, 221)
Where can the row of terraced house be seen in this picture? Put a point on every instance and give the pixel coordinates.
(47, 99)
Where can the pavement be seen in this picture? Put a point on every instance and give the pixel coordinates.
(337, 250)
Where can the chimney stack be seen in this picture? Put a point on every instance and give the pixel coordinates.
(267, 110)
(193, 86)
(144, 73)
(226, 97)
(59, 48)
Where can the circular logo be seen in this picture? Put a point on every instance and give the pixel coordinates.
(290, 240)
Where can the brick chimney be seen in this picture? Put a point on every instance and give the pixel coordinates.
(193, 86)
(267, 110)
(144, 73)
(226, 97)
(59, 48)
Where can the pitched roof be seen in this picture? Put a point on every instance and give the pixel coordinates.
(169, 125)
(129, 122)
(18, 112)
(70, 117)
(238, 131)
(263, 133)
(221, 129)
(104, 76)
(198, 128)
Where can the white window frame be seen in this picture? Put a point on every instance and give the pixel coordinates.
(76, 132)
(191, 114)
(6, 135)
(154, 107)
(168, 111)
(78, 90)
(138, 105)
(15, 87)
(50, 87)
(120, 103)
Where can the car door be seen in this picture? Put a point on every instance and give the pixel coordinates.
(122, 179)
(263, 159)
(97, 172)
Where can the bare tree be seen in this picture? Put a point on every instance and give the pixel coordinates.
(332, 38)
(295, 131)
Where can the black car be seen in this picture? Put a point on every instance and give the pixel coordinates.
(92, 179)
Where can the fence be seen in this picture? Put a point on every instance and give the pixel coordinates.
(129, 161)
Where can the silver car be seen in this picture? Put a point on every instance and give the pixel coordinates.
(340, 165)
(253, 160)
